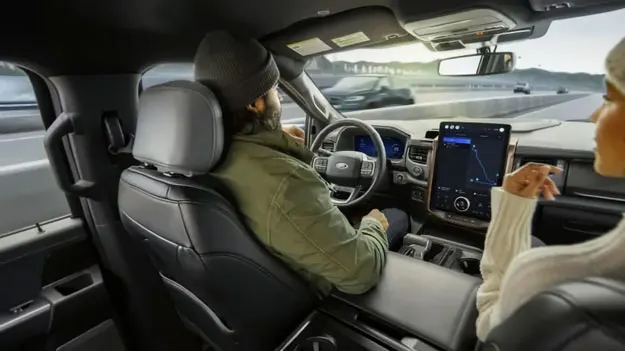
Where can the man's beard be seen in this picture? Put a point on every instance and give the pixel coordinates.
(253, 123)
(271, 117)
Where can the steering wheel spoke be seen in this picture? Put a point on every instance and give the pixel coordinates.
(353, 194)
(367, 169)
(324, 153)
(320, 164)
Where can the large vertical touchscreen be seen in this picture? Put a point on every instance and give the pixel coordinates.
(470, 160)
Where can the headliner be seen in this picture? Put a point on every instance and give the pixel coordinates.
(124, 36)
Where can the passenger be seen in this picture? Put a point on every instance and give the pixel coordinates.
(285, 202)
(513, 272)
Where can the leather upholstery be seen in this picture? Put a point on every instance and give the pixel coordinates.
(580, 315)
(425, 300)
(225, 285)
(179, 128)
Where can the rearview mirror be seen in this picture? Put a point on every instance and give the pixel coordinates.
(478, 64)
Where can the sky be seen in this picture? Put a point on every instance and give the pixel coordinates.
(572, 45)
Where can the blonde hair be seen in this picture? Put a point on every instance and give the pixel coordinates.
(615, 66)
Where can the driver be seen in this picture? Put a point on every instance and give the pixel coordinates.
(285, 202)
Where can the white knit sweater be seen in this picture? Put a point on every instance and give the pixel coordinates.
(513, 272)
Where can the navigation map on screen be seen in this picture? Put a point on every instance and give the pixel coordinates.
(470, 160)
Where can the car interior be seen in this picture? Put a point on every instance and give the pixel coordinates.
(156, 255)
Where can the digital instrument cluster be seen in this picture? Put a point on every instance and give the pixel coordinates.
(393, 146)
(470, 160)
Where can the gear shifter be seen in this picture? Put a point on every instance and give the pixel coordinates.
(415, 246)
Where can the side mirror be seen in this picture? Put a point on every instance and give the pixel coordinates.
(478, 64)
(384, 89)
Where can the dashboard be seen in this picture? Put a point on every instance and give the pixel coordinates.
(412, 148)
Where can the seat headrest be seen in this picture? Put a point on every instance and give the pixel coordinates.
(179, 128)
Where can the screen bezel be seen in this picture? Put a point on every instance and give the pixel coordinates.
(507, 163)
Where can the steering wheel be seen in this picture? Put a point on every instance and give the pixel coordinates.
(350, 171)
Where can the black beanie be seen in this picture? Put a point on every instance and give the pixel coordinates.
(239, 70)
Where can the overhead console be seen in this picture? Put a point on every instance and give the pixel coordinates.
(469, 159)
(450, 30)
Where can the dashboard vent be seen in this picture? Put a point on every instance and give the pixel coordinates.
(549, 161)
(328, 145)
(418, 154)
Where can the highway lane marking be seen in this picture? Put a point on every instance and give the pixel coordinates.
(22, 138)
(23, 166)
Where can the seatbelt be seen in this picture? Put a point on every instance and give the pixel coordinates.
(119, 142)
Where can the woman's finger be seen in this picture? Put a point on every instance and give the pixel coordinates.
(552, 186)
(548, 195)
(537, 180)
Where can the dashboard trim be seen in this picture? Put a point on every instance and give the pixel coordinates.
(452, 217)
(598, 197)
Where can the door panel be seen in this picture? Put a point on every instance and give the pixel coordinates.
(53, 296)
(51, 290)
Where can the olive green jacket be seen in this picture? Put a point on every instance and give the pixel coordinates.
(288, 206)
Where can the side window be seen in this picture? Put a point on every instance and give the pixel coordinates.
(28, 191)
(384, 83)
(291, 113)
(167, 72)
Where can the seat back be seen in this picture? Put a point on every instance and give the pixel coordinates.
(582, 315)
(227, 287)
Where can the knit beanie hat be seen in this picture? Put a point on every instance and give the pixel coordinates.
(615, 66)
(240, 70)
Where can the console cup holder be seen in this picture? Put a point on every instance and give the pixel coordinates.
(434, 251)
(74, 284)
(470, 266)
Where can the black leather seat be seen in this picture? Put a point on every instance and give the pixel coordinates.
(225, 285)
(580, 315)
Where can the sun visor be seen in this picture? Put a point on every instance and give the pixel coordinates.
(445, 29)
(344, 31)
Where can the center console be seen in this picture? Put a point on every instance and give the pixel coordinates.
(441, 252)
(415, 306)
(468, 160)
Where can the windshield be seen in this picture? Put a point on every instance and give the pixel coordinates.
(356, 83)
(557, 76)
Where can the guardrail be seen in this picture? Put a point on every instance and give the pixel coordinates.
(18, 105)
(473, 108)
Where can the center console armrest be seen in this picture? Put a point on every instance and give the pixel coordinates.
(422, 300)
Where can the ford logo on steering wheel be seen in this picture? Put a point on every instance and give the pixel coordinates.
(342, 165)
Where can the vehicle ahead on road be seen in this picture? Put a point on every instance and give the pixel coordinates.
(562, 90)
(363, 92)
(521, 87)
(186, 271)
